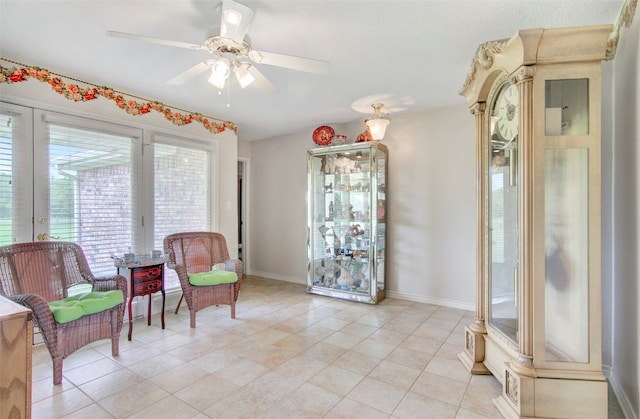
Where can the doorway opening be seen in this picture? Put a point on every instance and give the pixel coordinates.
(243, 204)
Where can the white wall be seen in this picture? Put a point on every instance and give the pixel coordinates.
(431, 206)
(35, 94)
(277, 223)
(626, 221)
(244, 149)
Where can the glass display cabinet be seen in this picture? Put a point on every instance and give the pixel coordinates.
(347, 221)
(536, 98)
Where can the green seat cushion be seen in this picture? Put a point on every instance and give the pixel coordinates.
(72, 308)
(215, 277)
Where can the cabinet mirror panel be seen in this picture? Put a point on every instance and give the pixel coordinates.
(567, 107)
(503, 246)
(566, 210)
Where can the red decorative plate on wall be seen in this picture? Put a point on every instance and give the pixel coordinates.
(323, 135)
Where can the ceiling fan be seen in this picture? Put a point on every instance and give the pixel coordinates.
(233, 53)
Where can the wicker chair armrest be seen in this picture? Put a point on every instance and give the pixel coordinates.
(181, 271)
(108, 283)
(183, 276)
(233, 265)
(42, 315)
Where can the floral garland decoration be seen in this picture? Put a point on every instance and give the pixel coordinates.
(85, 94)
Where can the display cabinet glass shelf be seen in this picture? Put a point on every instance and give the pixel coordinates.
(347, 220)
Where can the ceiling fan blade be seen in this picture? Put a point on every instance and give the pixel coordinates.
(236, 19)
(289, 61)
(152, 40)
(261, 82)
(191, 73)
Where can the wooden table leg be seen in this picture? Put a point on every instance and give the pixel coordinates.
(149, 311)
(162, 312)
(130, 318)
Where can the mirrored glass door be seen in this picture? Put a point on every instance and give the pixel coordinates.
(503, 214)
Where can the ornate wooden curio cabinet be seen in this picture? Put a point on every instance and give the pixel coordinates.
(536, 98)
(347, 221)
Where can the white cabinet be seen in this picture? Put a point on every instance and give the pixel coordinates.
(536, 98)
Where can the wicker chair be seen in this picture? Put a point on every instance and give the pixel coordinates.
(33, 274)
(194, 252)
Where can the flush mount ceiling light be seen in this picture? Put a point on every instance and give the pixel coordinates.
(378, 122)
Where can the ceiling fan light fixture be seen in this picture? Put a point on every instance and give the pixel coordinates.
(221, 67)
(378, 122)
(236, 18)
(216, 81)
(243, 75)
(219, 72)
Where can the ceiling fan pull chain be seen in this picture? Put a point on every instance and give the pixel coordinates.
(228, 95)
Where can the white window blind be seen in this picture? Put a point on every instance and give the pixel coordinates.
(182, 194)
(6, 177)
(90, 192)
(16, 180)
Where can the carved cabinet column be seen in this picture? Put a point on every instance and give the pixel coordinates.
(473, 354)
(523, 79)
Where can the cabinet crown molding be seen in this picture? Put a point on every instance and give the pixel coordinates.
(530, 47)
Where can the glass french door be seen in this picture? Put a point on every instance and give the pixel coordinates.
(16, 174)
(69, 179)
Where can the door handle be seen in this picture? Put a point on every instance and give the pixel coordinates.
(43, 237)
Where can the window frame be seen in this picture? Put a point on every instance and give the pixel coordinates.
(159, 137)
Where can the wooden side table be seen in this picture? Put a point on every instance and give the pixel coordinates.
(145, 280)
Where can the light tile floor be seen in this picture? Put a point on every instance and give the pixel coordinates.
(288, 354)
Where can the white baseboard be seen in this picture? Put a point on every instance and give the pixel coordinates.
(391, 294)
(431, 300)
(285, 278)
(623, 399)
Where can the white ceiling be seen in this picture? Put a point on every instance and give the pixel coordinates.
(414, 52)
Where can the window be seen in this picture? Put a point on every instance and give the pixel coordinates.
(181, 192)
(90, 182)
